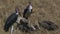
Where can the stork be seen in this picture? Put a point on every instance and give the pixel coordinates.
(27, 11)
(11, 20)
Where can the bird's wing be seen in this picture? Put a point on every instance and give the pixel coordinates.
(11, 18)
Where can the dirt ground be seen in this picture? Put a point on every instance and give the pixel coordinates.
(42, 10)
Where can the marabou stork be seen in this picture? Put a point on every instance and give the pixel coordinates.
(11, 20)
(27, 11)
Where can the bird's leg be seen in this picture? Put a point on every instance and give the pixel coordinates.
(12, 29)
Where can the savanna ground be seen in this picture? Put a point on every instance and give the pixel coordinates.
(42, 10)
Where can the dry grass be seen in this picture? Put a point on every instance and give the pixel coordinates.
(43, 9)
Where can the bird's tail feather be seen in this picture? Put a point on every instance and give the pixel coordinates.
(6, 28)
